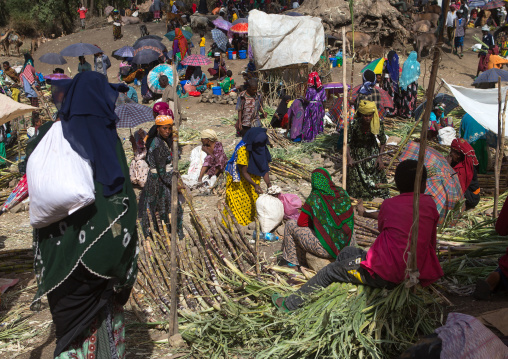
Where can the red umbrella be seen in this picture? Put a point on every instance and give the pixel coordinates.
(19, 193)
(196, 60)
(241, 28)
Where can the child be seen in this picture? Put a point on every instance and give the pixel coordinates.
(460, 32)
(384, 265)
(249, 105)
(202, 44)
(503, 45)
(497, 280)
(228, 84)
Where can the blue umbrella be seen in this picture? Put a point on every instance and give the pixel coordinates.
(220, 39)
(126, 51)
(80, 49)
(52, 59)
(153, 77)
(171, 35)
(491, 75)
(133, 114)
(145, 57)
(477, 3)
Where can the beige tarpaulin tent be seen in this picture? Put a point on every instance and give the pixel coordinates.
(279, 40)
(10, 109)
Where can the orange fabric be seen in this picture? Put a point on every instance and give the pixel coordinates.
(496, 61)
(216, 11)
(182, 42)
(477, 191)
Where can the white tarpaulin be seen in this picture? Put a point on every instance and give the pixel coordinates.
(482, 105)
(279, 40)
(10, 109)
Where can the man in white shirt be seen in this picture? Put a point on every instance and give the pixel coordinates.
(450, 24)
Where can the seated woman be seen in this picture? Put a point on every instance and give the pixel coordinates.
(364, 176)
(245, 168)
(219, 66)
(281, 113)
(384, 265)
(139, 167)
(215, 161)
(497, 280)
(198, 81)
(463, 160)
(437, 121)
(325, 225)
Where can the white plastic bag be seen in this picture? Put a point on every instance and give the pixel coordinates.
(270, 212)
(197, 158)
(446, 135)
(60, 181)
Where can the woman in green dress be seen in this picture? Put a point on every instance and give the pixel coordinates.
(86, 263)
(363, 177)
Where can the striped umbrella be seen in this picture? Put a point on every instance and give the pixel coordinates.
(376, 66)
(220, 39)
(133, 114)
(196, 60)
(220, 23)
(19, 194)
(153, 77)
(442, 181)
(241, 28)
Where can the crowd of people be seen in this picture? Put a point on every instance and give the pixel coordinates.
(102, 272)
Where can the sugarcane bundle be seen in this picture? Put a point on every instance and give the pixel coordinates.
(289, 169)
(277, 139)
(16, 261)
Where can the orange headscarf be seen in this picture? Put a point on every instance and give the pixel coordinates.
(182, 42)
(162, 120)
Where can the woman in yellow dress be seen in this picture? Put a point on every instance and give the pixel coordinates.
(244, 170)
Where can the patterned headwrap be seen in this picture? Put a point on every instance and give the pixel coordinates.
(330, 211)
(162, 120)
(314, 80)
(369, 108)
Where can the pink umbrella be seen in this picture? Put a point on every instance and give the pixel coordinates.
(222, 24)
(196, 60)
(56, 77)
(19, 193)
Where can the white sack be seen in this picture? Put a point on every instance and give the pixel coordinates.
(279, 40)
(197, 158)
(481, 104)
(60, 181)
(446, 135)
(270, 212)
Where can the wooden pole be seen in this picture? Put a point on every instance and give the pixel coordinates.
(498, 149)
(412, 265)
(344, 110)
(173, 314)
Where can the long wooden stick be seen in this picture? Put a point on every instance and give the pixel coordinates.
(344, 109)
(503, 118)
(500, 135)
(412, 265)
(173, 318)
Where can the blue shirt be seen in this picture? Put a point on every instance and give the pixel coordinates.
(132, 94)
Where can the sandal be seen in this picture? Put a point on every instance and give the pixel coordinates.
(282, 306)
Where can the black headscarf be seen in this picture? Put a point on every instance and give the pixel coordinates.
(154, 133)
(87, 109)
(282, 109)
(197, 73)
(256, 142)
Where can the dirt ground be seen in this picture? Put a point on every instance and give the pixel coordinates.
(15, 230)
